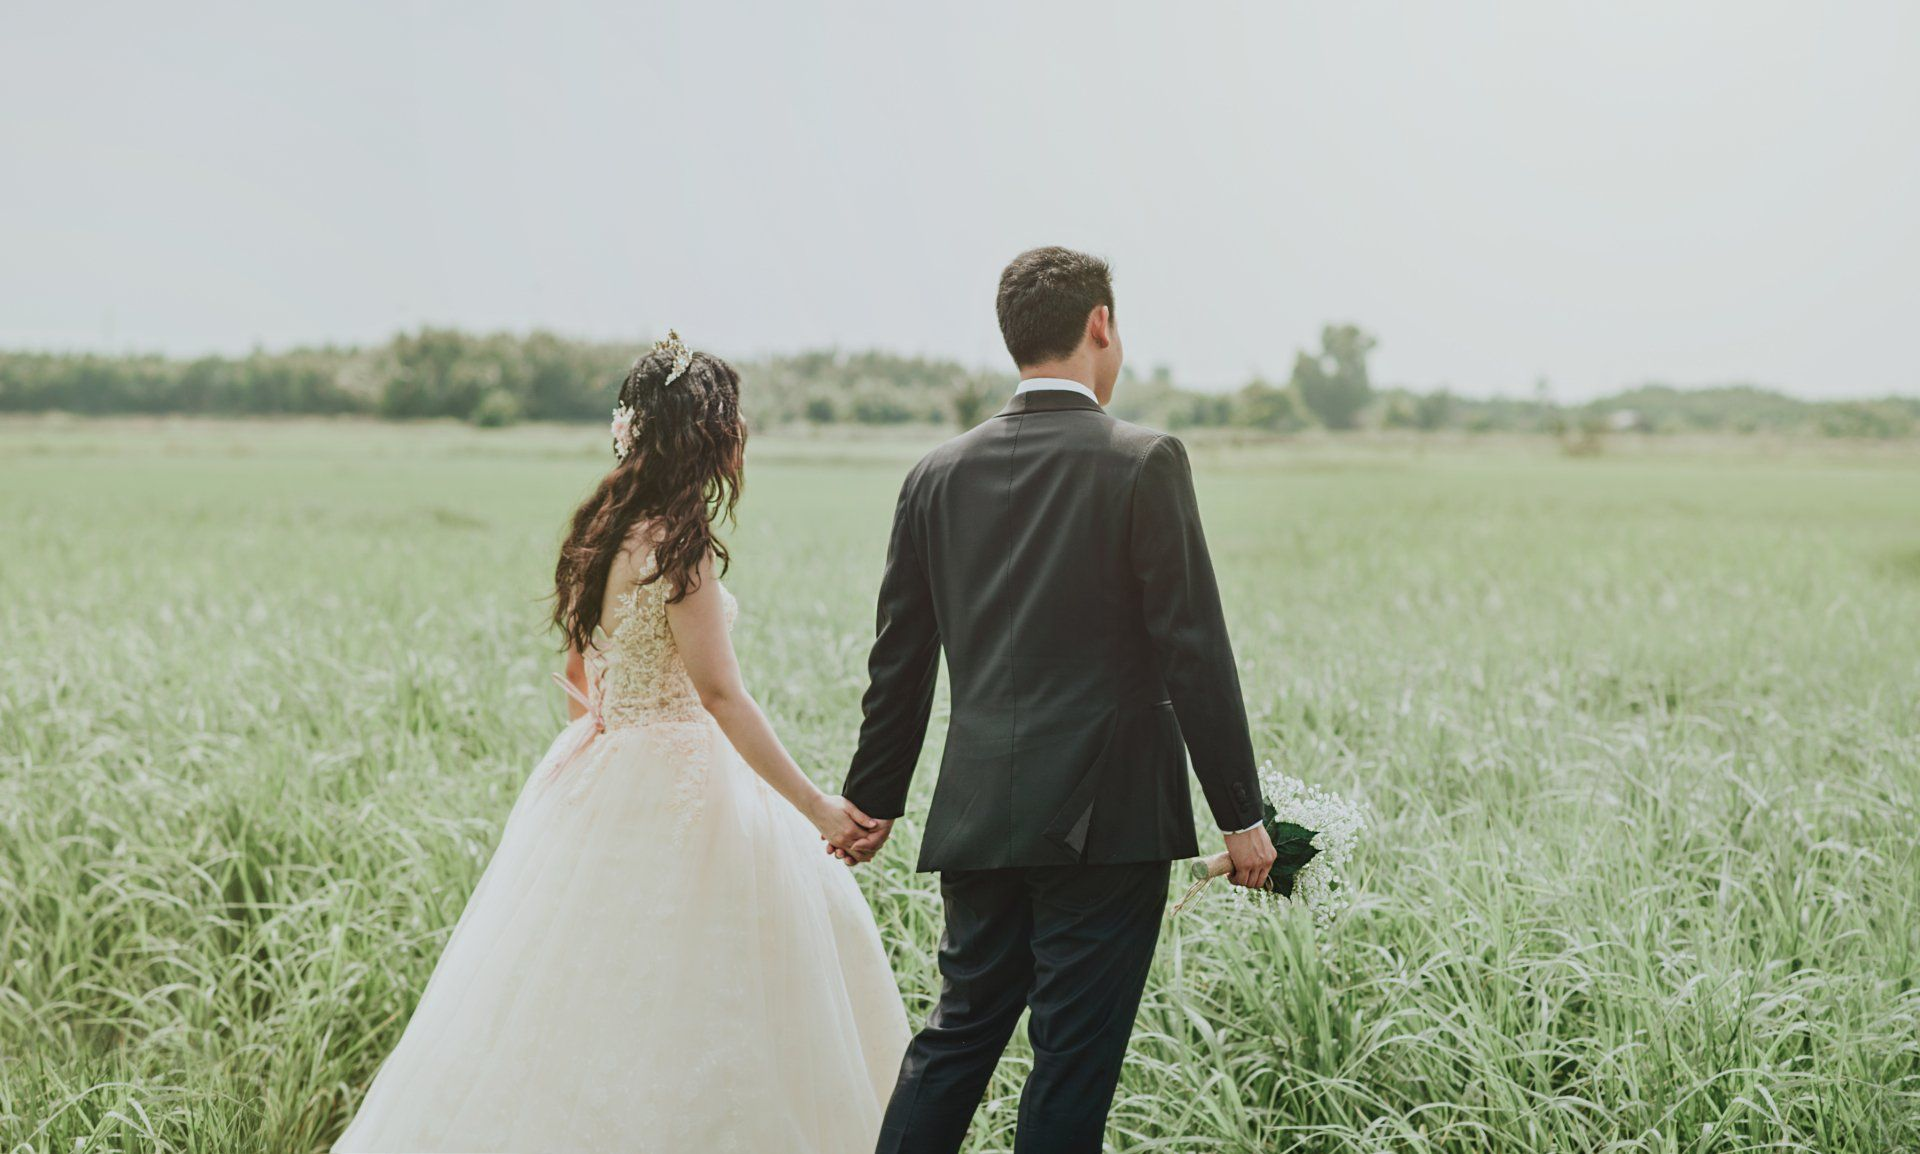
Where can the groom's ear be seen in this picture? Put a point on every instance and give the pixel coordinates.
(1100, 326)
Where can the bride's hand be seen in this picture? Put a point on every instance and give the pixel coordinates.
(839, 821)
(868, 845)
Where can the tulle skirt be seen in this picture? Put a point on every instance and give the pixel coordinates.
(660, 957)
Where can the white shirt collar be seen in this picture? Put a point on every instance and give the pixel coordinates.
(1033, 384)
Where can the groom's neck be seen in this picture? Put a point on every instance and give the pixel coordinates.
(1076, 369)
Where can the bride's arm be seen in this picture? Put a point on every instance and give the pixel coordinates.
(699, 625)
(577, 674)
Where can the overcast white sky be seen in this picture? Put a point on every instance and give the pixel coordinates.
(1600, 194)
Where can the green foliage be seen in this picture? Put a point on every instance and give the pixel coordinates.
(1433, 410)
(973, 401)
(497, 409)
(1262, 406)
(1201, 409)
(1148, 401)
(1740, 408)
(1427, 412)
(867, 387)
(1334, 385)
(301, 381)
(1295, 848)
(1882, 419)
(879, 405)
(1587, 437)
(445, 373)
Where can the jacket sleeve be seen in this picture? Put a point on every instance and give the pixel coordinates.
(901, 672)
(1189, 633)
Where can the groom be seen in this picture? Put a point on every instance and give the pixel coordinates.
(1055, 553)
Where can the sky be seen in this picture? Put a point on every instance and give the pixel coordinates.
(1597, 195)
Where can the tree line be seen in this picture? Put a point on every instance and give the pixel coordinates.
(499, 379)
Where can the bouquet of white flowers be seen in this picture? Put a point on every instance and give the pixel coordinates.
(1313, 832)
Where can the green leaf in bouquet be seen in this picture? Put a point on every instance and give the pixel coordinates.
(1293, 849)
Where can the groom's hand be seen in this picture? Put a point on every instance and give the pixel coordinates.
(1252, 856)
(867, 845)
(840, 822)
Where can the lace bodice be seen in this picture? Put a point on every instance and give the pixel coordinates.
(636, 672)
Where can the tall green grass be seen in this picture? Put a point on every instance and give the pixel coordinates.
(1641, 738)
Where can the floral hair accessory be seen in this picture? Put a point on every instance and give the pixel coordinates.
(682, 355)
(623, 417)
(622, 432)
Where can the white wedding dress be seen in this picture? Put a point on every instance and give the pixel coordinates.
(661, 956)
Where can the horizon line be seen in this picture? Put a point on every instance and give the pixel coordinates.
(1138, 374)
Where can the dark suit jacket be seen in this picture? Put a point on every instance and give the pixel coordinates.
(1056, 554)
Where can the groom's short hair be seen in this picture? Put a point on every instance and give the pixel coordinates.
(1045, 296)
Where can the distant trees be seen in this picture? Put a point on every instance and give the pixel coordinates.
(436, 374)
(498, 379)
(1261, 406)
(301, 381)
(1881, 419)
(1334, 385)
(1432, 411)
(497, 409)
(973, 399)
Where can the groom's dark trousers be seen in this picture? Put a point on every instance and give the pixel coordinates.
(1055, 555)
(1072, 942)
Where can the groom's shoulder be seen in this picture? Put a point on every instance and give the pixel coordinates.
(1137, 438)
(948, 452)
(938, 460)
(1106, 434)
(1130, 442)
(955, 450)
(1094, 428)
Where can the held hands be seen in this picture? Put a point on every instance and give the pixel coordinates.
(851, 835)
(868, 845)
(1251, 855)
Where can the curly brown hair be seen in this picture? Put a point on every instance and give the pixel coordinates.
(682, 473)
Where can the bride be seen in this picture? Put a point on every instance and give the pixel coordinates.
(659, 957)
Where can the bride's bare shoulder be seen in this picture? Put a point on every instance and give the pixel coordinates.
(636, 552)
(632, 565)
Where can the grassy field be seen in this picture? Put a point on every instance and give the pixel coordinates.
(1641, 737)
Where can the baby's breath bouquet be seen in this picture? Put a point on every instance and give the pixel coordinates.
(1313, 833)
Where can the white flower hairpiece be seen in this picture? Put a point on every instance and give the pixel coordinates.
(682, 355)
(623, 417)
(622, 432)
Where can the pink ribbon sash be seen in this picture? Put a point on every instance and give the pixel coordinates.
(587, 734)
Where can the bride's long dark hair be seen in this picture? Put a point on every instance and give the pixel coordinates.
(682, 473)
